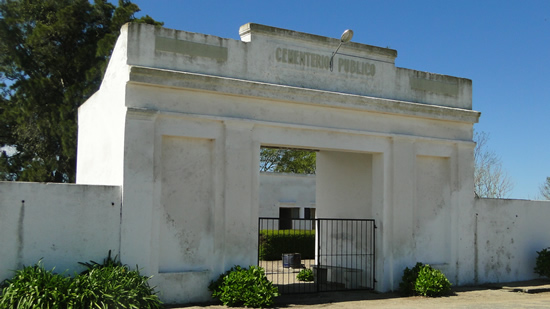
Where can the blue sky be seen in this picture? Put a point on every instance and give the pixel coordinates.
(502, 46)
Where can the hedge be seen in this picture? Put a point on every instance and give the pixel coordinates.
(273, 243)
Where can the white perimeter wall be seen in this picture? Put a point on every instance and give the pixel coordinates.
(64, 224)
(508, 234)
(61, 224)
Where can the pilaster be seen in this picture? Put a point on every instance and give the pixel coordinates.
(240, 194)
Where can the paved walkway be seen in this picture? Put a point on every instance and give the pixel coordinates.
(527, 294)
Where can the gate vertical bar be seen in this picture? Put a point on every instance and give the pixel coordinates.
(374, 254)
(259, 240)
(318, 237)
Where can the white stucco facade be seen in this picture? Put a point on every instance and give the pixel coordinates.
(187, 113)
(176, 129)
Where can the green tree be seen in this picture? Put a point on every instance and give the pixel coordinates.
(53, 54)
(545, 189)
(287, 161)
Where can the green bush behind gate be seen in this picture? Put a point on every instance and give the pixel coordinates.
(274, 243)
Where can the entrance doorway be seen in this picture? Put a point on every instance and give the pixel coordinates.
(301, 253)
(285, 217)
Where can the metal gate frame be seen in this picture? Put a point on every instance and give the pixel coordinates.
(342, 257)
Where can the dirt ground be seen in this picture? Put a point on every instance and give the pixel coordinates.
(527, 294)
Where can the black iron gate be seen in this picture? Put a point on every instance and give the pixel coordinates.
(314, 255)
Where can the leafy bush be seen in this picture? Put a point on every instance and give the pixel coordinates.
(542, 264)
(112, 287)
(305, 275)
(273, 243)
(431, 282)
(244, 287)
(408, 281)
(107, 285)
(424, 280)
(35, 287)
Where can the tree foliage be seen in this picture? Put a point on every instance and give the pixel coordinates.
(53, 54)
(545, 189)
(287, 161)
(490, 180)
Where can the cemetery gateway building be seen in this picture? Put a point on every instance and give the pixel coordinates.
(169, 150)
(183, 116)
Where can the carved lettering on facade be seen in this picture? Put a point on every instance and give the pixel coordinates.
(313, 60)
(356, 67)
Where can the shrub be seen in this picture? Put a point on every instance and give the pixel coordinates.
(34, 287)
(112, 287)
(542, 264)
(107, 285)
(244, 287)
(431, 282)
(273, 243)
(305, 275)
(408, 281)
(424, 280)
